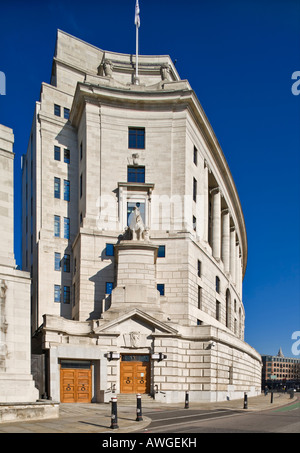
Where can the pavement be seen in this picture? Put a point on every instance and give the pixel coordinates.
(96, 418)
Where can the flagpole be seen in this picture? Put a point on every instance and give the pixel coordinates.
(137, 24)
(137, 56)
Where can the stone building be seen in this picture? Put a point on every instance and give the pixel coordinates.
(134, 235)
(278, 370)
(16, 383)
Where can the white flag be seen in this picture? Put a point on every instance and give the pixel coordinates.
(137, 14)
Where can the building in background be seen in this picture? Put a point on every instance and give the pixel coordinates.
(134, 235)
(279, 371)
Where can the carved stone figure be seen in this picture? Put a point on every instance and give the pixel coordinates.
(108, 67)
(137, 225)
(134, 339)
(165, 72)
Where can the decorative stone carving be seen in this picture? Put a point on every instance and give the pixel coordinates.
(165, 72)
(135, 338)
(108, 68)
(136, 224)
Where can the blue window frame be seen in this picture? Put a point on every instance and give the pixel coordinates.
(136, 174)
(109, 250)
(56, 110)
(161, 251)
(56, 188)
(56, 153)
(161, 289)
(66, 294)
(57, 293)
(66, 113)
(66, 228)
(109, 287)
(57, 226)
(66, 190)
(66, 156)
(136, 137)
(57, 261)
(66, 263)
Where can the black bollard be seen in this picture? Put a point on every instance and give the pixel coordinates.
(186, 405)
(272, 396)
(139, 415)
(114, 413)
(245, 401)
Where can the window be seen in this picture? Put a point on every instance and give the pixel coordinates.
(109, 250)
(161, 251)
(161, 289)
(218, 285)
(136, 138)
(136, 174)
(194, 189)
(57, 293)
(109, 287)
(56, 110)
(56, 226)
(199, 323)
(199, 268)
(194, 223)
(66, 113)
(56, 188)
(199, 297)
(218, 306)
(66, 156)
(57, 261)
(66, 190)
(195, 156)
(80, 186)
(56, 153)
(81, 151)
(66, 263)
(66, 294)
(66, 228)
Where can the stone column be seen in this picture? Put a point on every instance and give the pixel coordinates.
(206, 203)
(232, 253)
(237, 264)
(216, 223)
(225, 244)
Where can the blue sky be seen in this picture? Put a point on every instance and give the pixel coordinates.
(239, 57)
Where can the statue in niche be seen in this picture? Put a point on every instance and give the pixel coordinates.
(136, 224)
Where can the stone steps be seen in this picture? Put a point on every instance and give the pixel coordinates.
(130, 399)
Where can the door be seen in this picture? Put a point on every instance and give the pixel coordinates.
(135, 374)
(75, 384)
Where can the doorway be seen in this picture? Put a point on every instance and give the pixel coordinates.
(135, 373)
(75, 382)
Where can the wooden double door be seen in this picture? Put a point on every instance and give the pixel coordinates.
(135, 374)
(75, 385)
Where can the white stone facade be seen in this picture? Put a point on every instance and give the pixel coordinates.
(193, 249)
(16, 383)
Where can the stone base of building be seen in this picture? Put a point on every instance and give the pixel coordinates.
(137, 353)
(17, 388)
(15, 412)
(204, 396)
